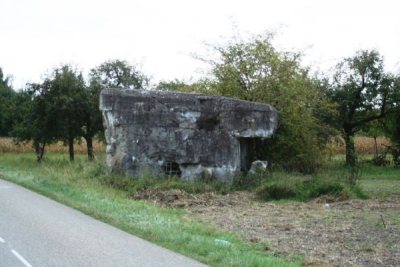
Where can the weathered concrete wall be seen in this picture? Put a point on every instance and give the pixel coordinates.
(191, 135)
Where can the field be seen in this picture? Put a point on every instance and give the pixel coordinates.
(364, 145)
(345, 233)
(7, 145)
(324, 231)
(232, 228)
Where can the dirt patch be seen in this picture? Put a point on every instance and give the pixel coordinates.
(346, 233)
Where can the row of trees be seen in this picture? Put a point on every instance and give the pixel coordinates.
(359, 93)
(64, 107)
(6, 93)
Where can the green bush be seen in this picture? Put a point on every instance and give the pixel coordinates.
(280, 186)
(278, 190)
(297, 187)
(319, 187)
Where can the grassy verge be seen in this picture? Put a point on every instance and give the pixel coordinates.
(79, 186)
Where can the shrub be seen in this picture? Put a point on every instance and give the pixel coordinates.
(281, 187)
(278, 190)
(304, 188)
(319, 187)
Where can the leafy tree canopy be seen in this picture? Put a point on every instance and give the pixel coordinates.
(119, 74)
(6, 97)
(392, 121)
(52, 110)
(33, 118)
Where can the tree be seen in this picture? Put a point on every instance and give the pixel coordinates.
(6, 98)
(33, 118)
(68, 103)
(119, 74)
(254, 70)
(363, 93)
(62, 108)
(375, 129)
(110, 74)
(180, 86)
(392, 127)
(392, 120)
(93, 122)
(174, 85)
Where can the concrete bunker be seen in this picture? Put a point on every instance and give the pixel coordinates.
(188, 135)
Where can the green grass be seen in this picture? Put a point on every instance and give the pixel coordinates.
(299, 187)
(381, 188)
(368, 170)
(84, 186)
(371, 172)
(136, 185)
(332, 179)
(375, 181)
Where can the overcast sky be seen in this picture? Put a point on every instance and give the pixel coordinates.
(38, 35)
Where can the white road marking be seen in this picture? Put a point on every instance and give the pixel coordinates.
(25, 262)
(2, 240)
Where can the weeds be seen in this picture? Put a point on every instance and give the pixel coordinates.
(267, 185)
(132, 185)
(241, 181)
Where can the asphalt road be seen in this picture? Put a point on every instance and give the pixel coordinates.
(39, 232)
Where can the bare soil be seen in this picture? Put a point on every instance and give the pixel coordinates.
(321, 232)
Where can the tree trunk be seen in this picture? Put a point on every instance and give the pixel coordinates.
(42, 151)
(71, 149)
(376, 147)
(89, 145)
(39, 150)
(350, 150)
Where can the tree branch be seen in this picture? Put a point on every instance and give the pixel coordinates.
(357, 98)
(369, 119)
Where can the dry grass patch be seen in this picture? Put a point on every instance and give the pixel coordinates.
(7, 145)
(364, 145)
